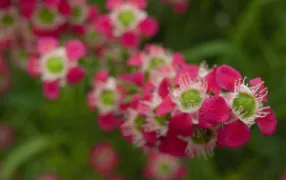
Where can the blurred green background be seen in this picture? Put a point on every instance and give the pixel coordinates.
(249, 35)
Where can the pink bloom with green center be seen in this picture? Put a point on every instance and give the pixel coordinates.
(201, 143)
(133, 128)
(103, 158)
(47, 20)
(105, 96)
(128, 21)
(57, 65)
(163, 167)
(9, 21)
(187, 98)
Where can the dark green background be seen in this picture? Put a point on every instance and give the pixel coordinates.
(57, 135)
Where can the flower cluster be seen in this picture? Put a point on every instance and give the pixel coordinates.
(158, 101)
(180, 109)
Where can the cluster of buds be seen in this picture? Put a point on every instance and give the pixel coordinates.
(181, 109)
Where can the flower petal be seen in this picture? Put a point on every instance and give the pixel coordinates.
(33, 66)
(51, 89)
(214, 110)
(108, 122)
(173, 146)
(101, 76)
(149, 27)
(212, 83)
(135, 60)
(139, 3)
(75, 75)
(267, 125)
(129, 40)
(75, 50)
(262, 91)
(181, 124)
(226, 76)
(234, 135)
(164, 87)
(47, 44)
(166, 106)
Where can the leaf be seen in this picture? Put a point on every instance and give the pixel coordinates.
(214, 48)
(25, 152)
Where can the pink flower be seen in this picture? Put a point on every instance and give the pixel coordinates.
(57, 65)
(7, 135)
(48, 176)
(163, 167)
(105, 95)
(103, 158)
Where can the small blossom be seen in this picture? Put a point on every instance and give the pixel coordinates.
(105, 96)
(57, 65)
(103, 158)
(163, 167)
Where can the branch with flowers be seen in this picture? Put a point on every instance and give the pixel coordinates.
(159, 101)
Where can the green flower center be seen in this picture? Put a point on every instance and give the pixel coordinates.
(155, 63)
(190, 99)
(139, 121)
(162, 119)
(46, 15)
(164, 168)
(23, 55)
(245, 104)
(203, 137)
(55, 64)
(76, 11)
(126, 18)
(92, 35)
(108, 97)
(7, 20)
